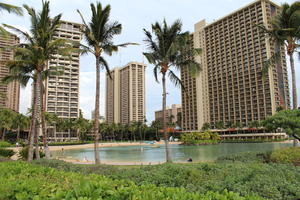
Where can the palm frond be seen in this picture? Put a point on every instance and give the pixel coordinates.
(104, 65)
(11, 8)
(175, 79)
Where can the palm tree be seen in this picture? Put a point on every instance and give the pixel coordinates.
(285, 30)
(11, 9)
(21, 123)
(31, 61)
(6, 120)
(156, 125)
(99, 34)
(168, 50)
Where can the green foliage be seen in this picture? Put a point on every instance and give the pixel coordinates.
(5, 144)
(287, 155)
(6, 152)
(23, 154)
(271, 181)
(246, 157)
(195, 138)
(21, 180)
(289, 120)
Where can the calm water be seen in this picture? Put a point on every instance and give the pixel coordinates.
(180, 153)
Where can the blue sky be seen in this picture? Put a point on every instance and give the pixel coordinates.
(134, 15)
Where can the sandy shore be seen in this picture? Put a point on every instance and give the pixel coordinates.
(114, 144)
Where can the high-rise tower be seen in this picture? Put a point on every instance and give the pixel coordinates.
(231, 87)
(125, 94)
(9, 94)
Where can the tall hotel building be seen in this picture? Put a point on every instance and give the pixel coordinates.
(231, 87)
(9, 94)
(125, 94)
(62, 91)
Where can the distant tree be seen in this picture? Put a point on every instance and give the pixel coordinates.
(7, 117)
(179, 119)
(156, 125)
(205, 127)
(254, 124)
(219, 125)
(288, 120)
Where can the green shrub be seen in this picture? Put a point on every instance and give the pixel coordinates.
(260, 157)
(6, 152)
(195, 138)
(4, 159)
(20, 180)
(5, 144)
(271, 181)
(23, 154)
(287, 155)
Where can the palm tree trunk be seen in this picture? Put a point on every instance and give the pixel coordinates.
(164, 102)
(294, 87)
(44, 128)
(18, 133)
(294, 90)
(39, 114)
(3, 134)
(37, 150)
(33, 123)
(96, 121)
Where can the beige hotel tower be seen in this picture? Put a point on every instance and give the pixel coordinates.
(125, 94)
(9, 94)
(62, 91)
(230, 87)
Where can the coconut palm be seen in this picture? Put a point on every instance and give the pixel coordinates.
(168, 48)
(99, 34)
(11, 9)
(285, 30)
(31, 61)
(156, 125)
(21, 123)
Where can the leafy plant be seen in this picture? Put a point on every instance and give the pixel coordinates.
(287, 155)
(195, 138)
(20, 180)
(6, 152)
(5, 144)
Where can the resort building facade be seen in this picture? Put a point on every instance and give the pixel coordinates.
(62, 91)
(171, 115)
(125, 94)
(231, 87)
(9, 93)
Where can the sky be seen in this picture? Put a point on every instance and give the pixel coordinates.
(134, 15)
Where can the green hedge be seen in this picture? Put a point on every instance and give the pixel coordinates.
(68, 143)
(260, 157)
(6, 152)
(5, 144)
(287, 155)
(22, 181)
(195, 138)
(271, 181)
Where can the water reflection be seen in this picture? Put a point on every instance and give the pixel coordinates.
(180, 153)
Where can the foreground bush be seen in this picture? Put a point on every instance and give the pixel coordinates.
(287, 155)
(6, 152)
(5, 144)
(195, 138)
(259, 157)
(271, 181)
(19, 180)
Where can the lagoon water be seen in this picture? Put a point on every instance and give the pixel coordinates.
(156, 153)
